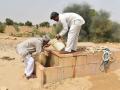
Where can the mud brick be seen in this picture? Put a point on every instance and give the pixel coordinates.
(98, 70)
(41, 58)
(114, 66)
(67, 72)
(51, 74)
(84, 70)
(90, 69)
(94, 58)
(80, 71)
(115, 55)
(39, 74)
(69, 61)
(37, 68)
(81, 60)
(100, 56)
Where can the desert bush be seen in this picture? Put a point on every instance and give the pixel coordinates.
(52, 34)
(21, 24)
(41, 34)
(2, 28)
(23, 34)
(16, 27)
(57, 28)
(38, 32)
(18, 35)
(35, 32)
(45, 24)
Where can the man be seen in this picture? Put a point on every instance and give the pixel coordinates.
(72, 23)
(29, 47)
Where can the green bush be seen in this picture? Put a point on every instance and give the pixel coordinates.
(28, 23)
(21, 24)
(45, 24)
(9, 21)
(57, 28)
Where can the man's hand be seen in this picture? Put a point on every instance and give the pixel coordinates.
(47, 45)
(35, 54)
(58, 36)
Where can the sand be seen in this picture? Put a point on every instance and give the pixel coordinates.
(12, 68)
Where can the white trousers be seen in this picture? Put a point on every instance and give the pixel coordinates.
(73, 35)
(29, 65)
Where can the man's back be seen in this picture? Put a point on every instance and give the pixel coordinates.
(30, 45)
(30, 42)
(70, 17)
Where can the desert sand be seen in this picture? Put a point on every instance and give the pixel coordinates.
(12, 68)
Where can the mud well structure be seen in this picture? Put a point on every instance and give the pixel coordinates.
(77, 64)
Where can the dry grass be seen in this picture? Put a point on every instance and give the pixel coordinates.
(26, 31)
(10, 30)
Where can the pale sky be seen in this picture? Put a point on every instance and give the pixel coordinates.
(39, 10)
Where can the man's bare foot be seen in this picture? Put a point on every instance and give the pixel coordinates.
(64, 52)
(32, 76)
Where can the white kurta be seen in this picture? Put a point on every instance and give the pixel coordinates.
(72, 23)
(25, 49)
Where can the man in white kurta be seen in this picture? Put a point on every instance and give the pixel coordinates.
(72, 23)
(26, 48)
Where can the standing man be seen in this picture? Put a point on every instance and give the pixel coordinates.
(29, 47)
(72, 23)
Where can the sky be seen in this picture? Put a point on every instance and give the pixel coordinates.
(38, 11)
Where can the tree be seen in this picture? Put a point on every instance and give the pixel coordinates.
(98, 27)
(0, 23)
(28, 23)
(86, 12)
(9, 21)
(115, 32)
(101, 26)
(45, 24)
(15, 23)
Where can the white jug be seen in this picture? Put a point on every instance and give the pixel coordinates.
(57, 44)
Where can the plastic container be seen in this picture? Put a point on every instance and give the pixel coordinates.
(57, 44)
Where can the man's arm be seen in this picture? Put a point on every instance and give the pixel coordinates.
(38, 47)
(65, 28)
